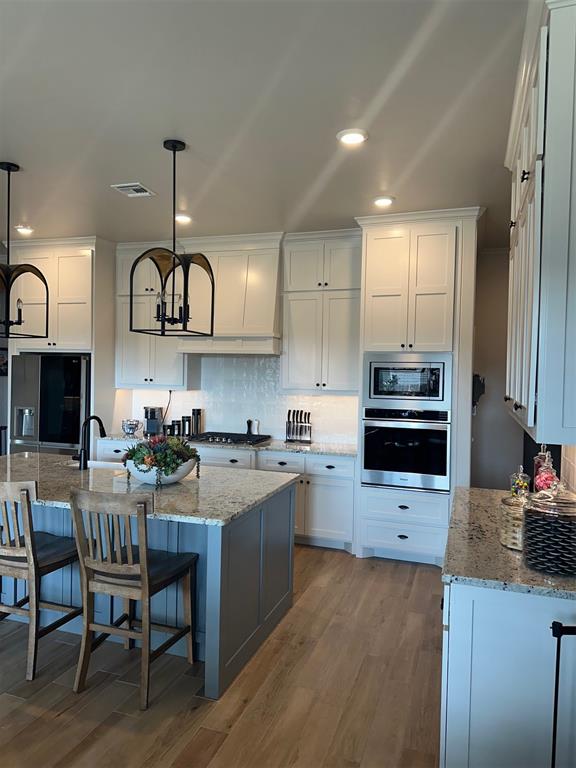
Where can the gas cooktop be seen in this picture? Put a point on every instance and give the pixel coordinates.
(231, 438)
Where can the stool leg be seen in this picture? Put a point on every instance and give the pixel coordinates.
(145, 661)
(86, 645)
(33, 625)
(188, 589)
(129, 610)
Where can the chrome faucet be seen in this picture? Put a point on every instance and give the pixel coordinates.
(84, 445)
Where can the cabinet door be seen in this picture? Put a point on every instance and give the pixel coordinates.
(146, 279)
(72, 302)
(302, 342)
(132, 349)
(32, 293)
(431, 303)
(386, 306)
(340, 334)
(230, 293)
(304, 265)
(329, 508)
(342, 264)
(300, 509)
(261, 294)
(166, 363)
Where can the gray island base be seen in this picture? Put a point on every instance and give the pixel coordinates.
(241, 524)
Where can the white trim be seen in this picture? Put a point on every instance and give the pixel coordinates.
(55, 242)
(536, 18)
(210, 243)
(553, 4)
(394, 218)
(327, 234)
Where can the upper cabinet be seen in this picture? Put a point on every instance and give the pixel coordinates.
(541, 362)
(68, 272)
(409, 287)
(325, 261)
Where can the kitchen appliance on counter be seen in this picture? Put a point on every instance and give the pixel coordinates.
(407, 380)
(153, 420)
(50, 398)
(406, 448)
(231, 438)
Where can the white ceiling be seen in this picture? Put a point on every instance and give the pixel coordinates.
(258, 90)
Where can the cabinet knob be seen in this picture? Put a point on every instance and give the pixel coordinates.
(116, 450)
(330, 466)
(403, 506)
(507, 398)
(307, 482)
(323, 385)
(402, 536)
(524, 176)
(301, 482)
(512, 224)
(402, 345)
(145, 379)
(410, 346)
(320, 284)
(151, 379)
(517, 406)
(282, 463)
(317, 383)
(325, 283)
(233, 461)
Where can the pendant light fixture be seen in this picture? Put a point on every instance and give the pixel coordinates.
(172, 315)
(12, 278)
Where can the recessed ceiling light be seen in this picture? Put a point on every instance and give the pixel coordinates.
(383, 201)
(183, 218)
(352, 137)
(23, 229)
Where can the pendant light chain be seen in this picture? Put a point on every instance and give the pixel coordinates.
(173, 230)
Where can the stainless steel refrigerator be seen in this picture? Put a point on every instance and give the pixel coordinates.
(50, 400)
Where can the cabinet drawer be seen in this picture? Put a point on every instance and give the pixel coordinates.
(407, 538)
(427, 508)
(333, 466)
(226, 457)
(280, 462)
(112, 450)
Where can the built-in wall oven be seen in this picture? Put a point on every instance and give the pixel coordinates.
(407, 380)
(404, 448)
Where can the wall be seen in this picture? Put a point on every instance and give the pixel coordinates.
(497, 439)
(238, 388)
(569, 466)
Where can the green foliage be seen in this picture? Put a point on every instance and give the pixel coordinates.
(162, 454)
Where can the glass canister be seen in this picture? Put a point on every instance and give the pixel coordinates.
(546, 476)
(512, 521)
(549, 532)
(519, 482)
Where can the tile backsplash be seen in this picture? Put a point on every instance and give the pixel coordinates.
(235, 389)
(569, 465)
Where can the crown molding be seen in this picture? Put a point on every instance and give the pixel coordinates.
(209, 243)
(56, 242)
(474, 212)
(324, 234)
(553, 4)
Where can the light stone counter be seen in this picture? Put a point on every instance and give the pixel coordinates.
(219, 496)
(329, 449)
(475, 556)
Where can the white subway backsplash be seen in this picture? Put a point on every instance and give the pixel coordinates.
(235, 389)
(569, 466)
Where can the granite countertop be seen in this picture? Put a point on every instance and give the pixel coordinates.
(217, 497)
(475, 556)
(330, 449)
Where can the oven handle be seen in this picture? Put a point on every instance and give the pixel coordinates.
(439, 426)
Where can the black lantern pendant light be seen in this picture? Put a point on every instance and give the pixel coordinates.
(11, 320)
(172, 315)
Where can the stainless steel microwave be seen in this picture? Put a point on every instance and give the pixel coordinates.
(404, 380)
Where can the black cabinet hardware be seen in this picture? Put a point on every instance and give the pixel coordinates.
(403, 506)
(524, 176)
(330, 466)
(307, 482)
(323, 385)
(441, 603)
(402, 345)
(116, 450)
(507, 398)
(410, 346)
(517, 406)
(282, 463)
(317, 383)
(233, 461)
(301, 482)
(512, 224)
(402, 536)
(145, 379)
(325, 283)
(320, 284)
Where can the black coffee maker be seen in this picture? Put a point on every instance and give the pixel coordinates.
(153, 420)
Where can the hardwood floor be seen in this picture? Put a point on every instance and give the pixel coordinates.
(350, 679)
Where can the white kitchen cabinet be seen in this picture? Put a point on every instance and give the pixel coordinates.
(541, 360)
(409, 287)
(320, 344)
(146, 361)
(324, 495)
(146, 277)
(68, 272)
(234, 458)
(327, 261)
(498, 679)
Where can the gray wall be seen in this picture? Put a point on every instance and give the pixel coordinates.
(496, 438)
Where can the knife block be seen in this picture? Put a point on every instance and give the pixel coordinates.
(298, 432)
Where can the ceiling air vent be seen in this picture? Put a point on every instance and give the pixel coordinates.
(133, 189)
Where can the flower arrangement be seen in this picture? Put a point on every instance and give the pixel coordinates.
(161, 454)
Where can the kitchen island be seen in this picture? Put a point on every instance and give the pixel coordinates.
(498, 660)
(241, 524)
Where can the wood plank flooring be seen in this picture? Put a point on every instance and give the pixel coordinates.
(350, 679)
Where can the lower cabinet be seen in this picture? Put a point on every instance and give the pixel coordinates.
(226, 457)
(410, 525)
(324, 496)
(498, 672)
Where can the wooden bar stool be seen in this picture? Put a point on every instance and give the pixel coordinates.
(111, 564)
(29, 555)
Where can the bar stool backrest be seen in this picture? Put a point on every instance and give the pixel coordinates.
(104, 536)
(16, 531)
